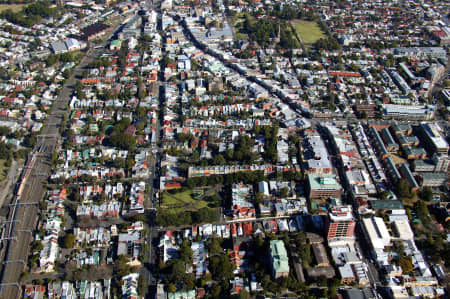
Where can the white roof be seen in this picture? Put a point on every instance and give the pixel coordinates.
(346, 271)
(263, 187)
(404, 229)
(377, 232)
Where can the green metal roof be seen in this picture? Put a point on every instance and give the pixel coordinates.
(280, 261)
(323, 181)
(386, 204)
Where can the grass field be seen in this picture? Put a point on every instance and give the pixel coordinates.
(397, 159)
(182, 201)
(309, 32)
(3, 170)
(13, 7)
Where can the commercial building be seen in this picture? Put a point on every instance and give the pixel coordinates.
(412, 112)
(341, 230)
(346, 273)
(413, 153)
(398, 128)
(323, 186)
(340, 226)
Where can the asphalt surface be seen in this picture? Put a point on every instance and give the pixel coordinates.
(149, 266)
(18, 249)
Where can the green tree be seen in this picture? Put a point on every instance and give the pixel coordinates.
(214, 246)
(183, 137)
(69, 240)
(66, 74)
(37, 246)
(426, 194)
(119, 162)
(30, 140)
(406, 264)
(123, 141)
(219, 160)
(243, 149)
(259, 198)
(284, 192)
(216, 291)
(4, 131)
(171, 288)
(141, 285)
(5, 151)
(422, 211)
(244, 294)
(403, 189)
(177, 269)
(221, 267)
(122, 267)
(186, 252)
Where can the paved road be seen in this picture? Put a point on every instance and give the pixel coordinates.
(18, 250)
(148, 270)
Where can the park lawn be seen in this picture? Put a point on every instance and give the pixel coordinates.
(182, 201)
(241, 36)
(13, 7)
(308, 31)
(237, 22)
(168, 200)
(185, 196)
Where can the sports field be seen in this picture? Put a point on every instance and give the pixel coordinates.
(308, 31)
